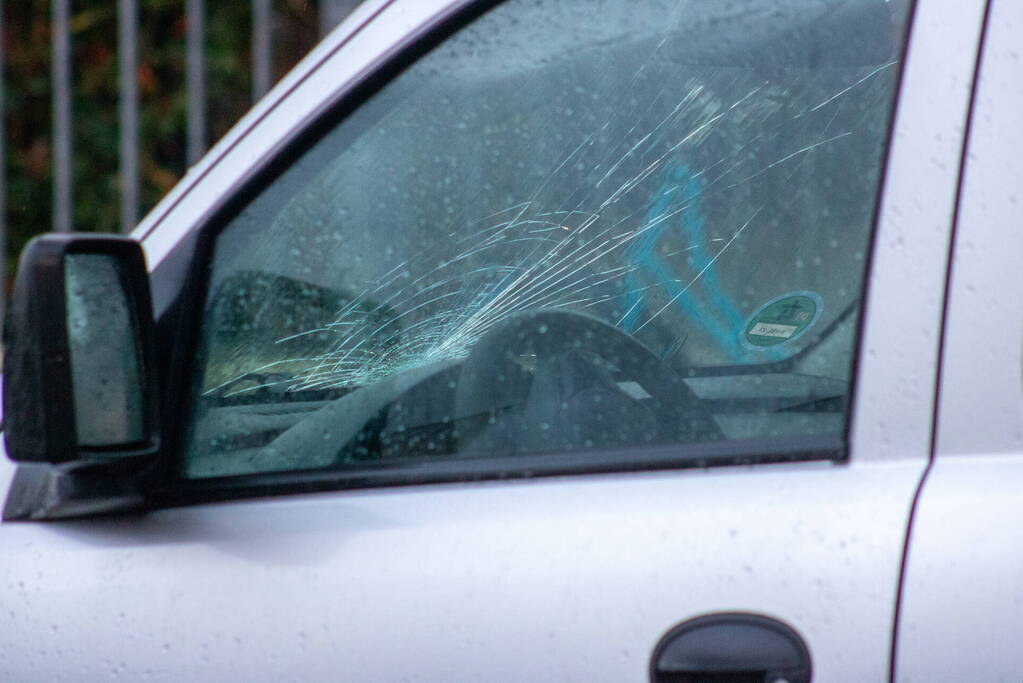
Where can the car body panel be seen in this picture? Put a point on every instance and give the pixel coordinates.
(963, 590)
(892, 415)
(962, 601)
(982, 364)
(567, 578)
(571, 579)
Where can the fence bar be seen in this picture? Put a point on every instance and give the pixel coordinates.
(262, 56)
(63, 199)
(127, 50)
(333, 11)
(195, 79)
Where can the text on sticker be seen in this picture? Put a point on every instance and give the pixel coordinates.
(772, 330)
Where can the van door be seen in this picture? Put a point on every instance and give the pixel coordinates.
(545, 348)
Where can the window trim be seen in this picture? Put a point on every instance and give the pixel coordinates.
(821, 449)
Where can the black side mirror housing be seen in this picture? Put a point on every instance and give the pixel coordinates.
(80, 381)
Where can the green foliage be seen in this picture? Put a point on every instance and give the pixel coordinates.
(161, 79)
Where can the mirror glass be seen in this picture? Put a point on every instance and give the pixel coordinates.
(105, 354)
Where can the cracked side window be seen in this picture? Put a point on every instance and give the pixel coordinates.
(572, 227)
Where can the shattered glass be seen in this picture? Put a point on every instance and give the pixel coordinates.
(449, 270)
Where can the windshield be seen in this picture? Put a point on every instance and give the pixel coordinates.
(571, 226)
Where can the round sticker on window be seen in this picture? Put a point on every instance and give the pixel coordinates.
(782, 319)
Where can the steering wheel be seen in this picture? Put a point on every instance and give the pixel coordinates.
(583, 377)
(575, 359)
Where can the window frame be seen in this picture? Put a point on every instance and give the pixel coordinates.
(180, 325)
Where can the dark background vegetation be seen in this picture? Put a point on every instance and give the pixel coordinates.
(161, 78)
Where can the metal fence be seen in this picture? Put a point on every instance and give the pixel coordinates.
(263, 14)
(330, 12)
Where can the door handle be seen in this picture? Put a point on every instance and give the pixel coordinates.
(731, 647)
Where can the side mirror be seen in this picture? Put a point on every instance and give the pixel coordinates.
(79, 383)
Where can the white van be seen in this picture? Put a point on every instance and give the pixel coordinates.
(547, 340)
